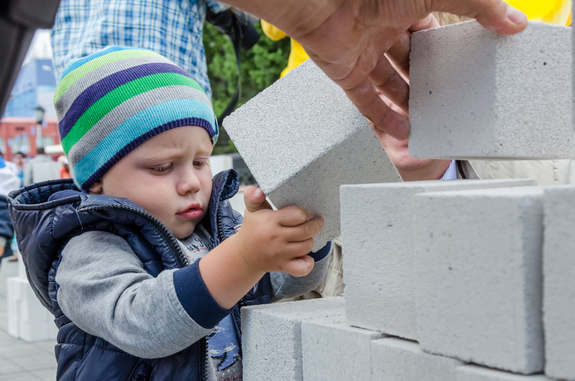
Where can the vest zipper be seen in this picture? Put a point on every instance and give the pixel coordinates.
(221, 234)
(166, 233)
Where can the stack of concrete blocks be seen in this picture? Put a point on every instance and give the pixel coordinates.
(28, 319)
(379, 251)
(302, 138)
(475, 94)
(444, 280)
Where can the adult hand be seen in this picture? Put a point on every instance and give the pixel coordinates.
(351, 41)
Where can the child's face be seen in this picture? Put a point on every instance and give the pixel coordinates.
(168, 176)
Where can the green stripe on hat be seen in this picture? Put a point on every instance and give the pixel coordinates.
(86, 68)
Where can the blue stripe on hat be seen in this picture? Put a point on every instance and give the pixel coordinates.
(138, 125)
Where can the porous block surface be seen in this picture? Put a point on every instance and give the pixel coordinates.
(336, 351)
(302, 138)
(476, 94)
(401, 360)
(478, 284)
(271, 336)
(559, 282)
(379, 264)
(477, 373)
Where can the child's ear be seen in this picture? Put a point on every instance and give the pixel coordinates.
(96, 188)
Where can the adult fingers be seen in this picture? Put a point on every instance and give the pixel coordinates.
(255, 199)
(494, 15)
(388, 81)
(368, 102)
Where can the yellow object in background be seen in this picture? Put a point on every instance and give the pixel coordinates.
(556, 12)
(297, 53)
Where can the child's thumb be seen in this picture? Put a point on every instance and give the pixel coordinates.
(255, 199)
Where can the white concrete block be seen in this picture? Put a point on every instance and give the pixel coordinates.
(13, 294)
(478, 373)
(401, 360)
(559, 282)
(336, 351)
(28, 319)
(37, 330)
(378, 263)
(478, 288)
(271, 336)
(30, 307)
(302, 138)
(475, 94)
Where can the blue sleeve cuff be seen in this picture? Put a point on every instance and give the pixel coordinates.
(195, 297)
(321, 253)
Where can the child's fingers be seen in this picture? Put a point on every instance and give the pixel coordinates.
(304, 231)
(255, 199)
(293, 216)
(300, 266)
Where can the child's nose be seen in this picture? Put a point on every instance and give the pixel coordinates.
(188, 182)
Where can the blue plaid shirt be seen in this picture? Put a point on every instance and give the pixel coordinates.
(172, 28)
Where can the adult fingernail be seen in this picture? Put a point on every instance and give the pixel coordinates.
(516, 16)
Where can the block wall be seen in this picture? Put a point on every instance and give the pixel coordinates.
(460, 281)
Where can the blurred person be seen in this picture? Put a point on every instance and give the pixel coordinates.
(9, 181)
(172, 28)
(40, 168)
(19, 158)
(65, 167)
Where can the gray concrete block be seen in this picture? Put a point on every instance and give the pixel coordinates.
(478, 288)
(401, 360)
(478, 373)
(475, 94)
(336, 351)
(271, 336)
(378, 262)
(559, 282)
(302, 138)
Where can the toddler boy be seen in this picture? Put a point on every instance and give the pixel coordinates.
(145, 267)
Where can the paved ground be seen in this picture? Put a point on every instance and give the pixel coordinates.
(19, 360)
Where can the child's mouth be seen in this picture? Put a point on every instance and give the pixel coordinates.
(193, 211)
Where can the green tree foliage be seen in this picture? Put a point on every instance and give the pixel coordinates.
(261, 66)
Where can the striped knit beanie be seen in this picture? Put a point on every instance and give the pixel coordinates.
(110, 102)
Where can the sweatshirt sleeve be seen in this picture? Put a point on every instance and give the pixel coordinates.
(105, 291)
(287, 286)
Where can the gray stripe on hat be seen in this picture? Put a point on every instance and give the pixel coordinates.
(126, 110)
(68, 98)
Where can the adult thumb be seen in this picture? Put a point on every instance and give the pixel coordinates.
(494, 15)
(255, 199)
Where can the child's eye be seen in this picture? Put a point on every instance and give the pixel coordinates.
(199, 163)
(162, 169)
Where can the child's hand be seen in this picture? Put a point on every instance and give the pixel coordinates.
(276, 240)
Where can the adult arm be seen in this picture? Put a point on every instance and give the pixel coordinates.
(351, 41)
